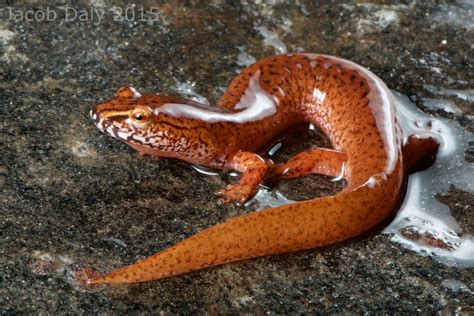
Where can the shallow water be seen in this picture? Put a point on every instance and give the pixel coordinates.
(423, 224)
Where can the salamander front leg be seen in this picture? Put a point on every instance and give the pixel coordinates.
(323, 161)
(253, 168)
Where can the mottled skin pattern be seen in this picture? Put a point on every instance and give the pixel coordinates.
(350, 104)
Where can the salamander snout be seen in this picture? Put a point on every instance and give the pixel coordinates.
(94, 116)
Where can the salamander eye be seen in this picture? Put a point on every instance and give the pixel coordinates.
(140, 117)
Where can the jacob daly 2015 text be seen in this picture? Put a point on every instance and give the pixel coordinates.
(95, 15)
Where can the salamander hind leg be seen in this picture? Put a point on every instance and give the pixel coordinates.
(253, 168)
(419, 153)
(323, 161)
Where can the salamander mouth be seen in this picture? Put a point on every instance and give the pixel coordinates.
(98, 120)
(117, 129)
(105, 125)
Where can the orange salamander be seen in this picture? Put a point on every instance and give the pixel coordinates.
(350, 104)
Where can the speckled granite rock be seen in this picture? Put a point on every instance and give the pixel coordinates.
(71, 197)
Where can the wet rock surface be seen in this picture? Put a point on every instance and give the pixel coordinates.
(73, 199)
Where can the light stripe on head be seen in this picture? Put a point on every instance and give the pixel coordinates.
(110, 114)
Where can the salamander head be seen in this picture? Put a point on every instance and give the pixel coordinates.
(122, 115)
(130, 117)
